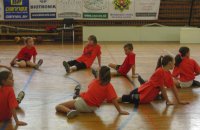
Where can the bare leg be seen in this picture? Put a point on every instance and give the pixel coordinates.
(21, 64)
(113, 66)
(65, 107)
(31, 64)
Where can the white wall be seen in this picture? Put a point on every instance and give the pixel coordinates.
(190, 35)
(107, 33)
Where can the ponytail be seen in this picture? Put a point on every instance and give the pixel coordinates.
(163, 61)
(159, 62)
(183, 51)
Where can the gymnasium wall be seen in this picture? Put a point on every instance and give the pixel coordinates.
(133, 33)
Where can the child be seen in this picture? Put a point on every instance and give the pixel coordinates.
(90, 52)
(129, 62)
(185, 69)
(23, 58)
(99, 90)
(8, 102)
(161, 78)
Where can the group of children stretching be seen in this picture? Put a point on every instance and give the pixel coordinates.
(100, 89)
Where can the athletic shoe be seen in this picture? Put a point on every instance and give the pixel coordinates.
(72, 113)
(77, 91)
(39, 64)
(141, 80)
(20, 97)
(67, 67)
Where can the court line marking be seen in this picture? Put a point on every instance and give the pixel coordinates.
(125, 122)
(29, 80)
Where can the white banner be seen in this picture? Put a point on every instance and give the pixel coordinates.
(42, 9)
(121, 9)
(147, 9)
(1, 10)
(69, 9)
(95, 9)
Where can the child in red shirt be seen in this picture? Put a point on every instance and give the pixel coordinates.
(129, 62)
(161, 78)
(23, 58)
(8, 102)
(90, 52)
(185, 69)
(99, 90)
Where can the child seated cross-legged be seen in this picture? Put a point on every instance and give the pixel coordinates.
(99, 90)
(23, 58)
(160, 79)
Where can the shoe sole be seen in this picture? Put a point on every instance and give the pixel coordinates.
(65, 64)
(72, 114)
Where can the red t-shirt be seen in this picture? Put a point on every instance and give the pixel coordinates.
(187, 70)
(150, 89)
(127, 64)
(90, 52)
(26, 53)
(7, 102)
(97, 94)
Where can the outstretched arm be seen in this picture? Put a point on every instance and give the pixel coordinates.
(34, 59)
(99, 60)
(164, 94)
(19, 123)
(118, 107)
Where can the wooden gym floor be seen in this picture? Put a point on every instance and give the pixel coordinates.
(49, 86)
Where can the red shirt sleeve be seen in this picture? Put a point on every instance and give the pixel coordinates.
(20, 54)
(111, 94)
(12, 100)
(131, 59)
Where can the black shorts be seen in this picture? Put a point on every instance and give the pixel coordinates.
(133, 97)
(79, 65)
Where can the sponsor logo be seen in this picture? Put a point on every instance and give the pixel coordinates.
(121, 4)
(16, 2)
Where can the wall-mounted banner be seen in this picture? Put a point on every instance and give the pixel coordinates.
(121, 9)
(69, 9)
(147, 9)
(95, 9)
(1, 10)
(16, 9)
(42, 9)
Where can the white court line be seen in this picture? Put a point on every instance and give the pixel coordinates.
(169, 52)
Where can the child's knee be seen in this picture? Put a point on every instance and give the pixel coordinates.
(57, 107)
(110, 65)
